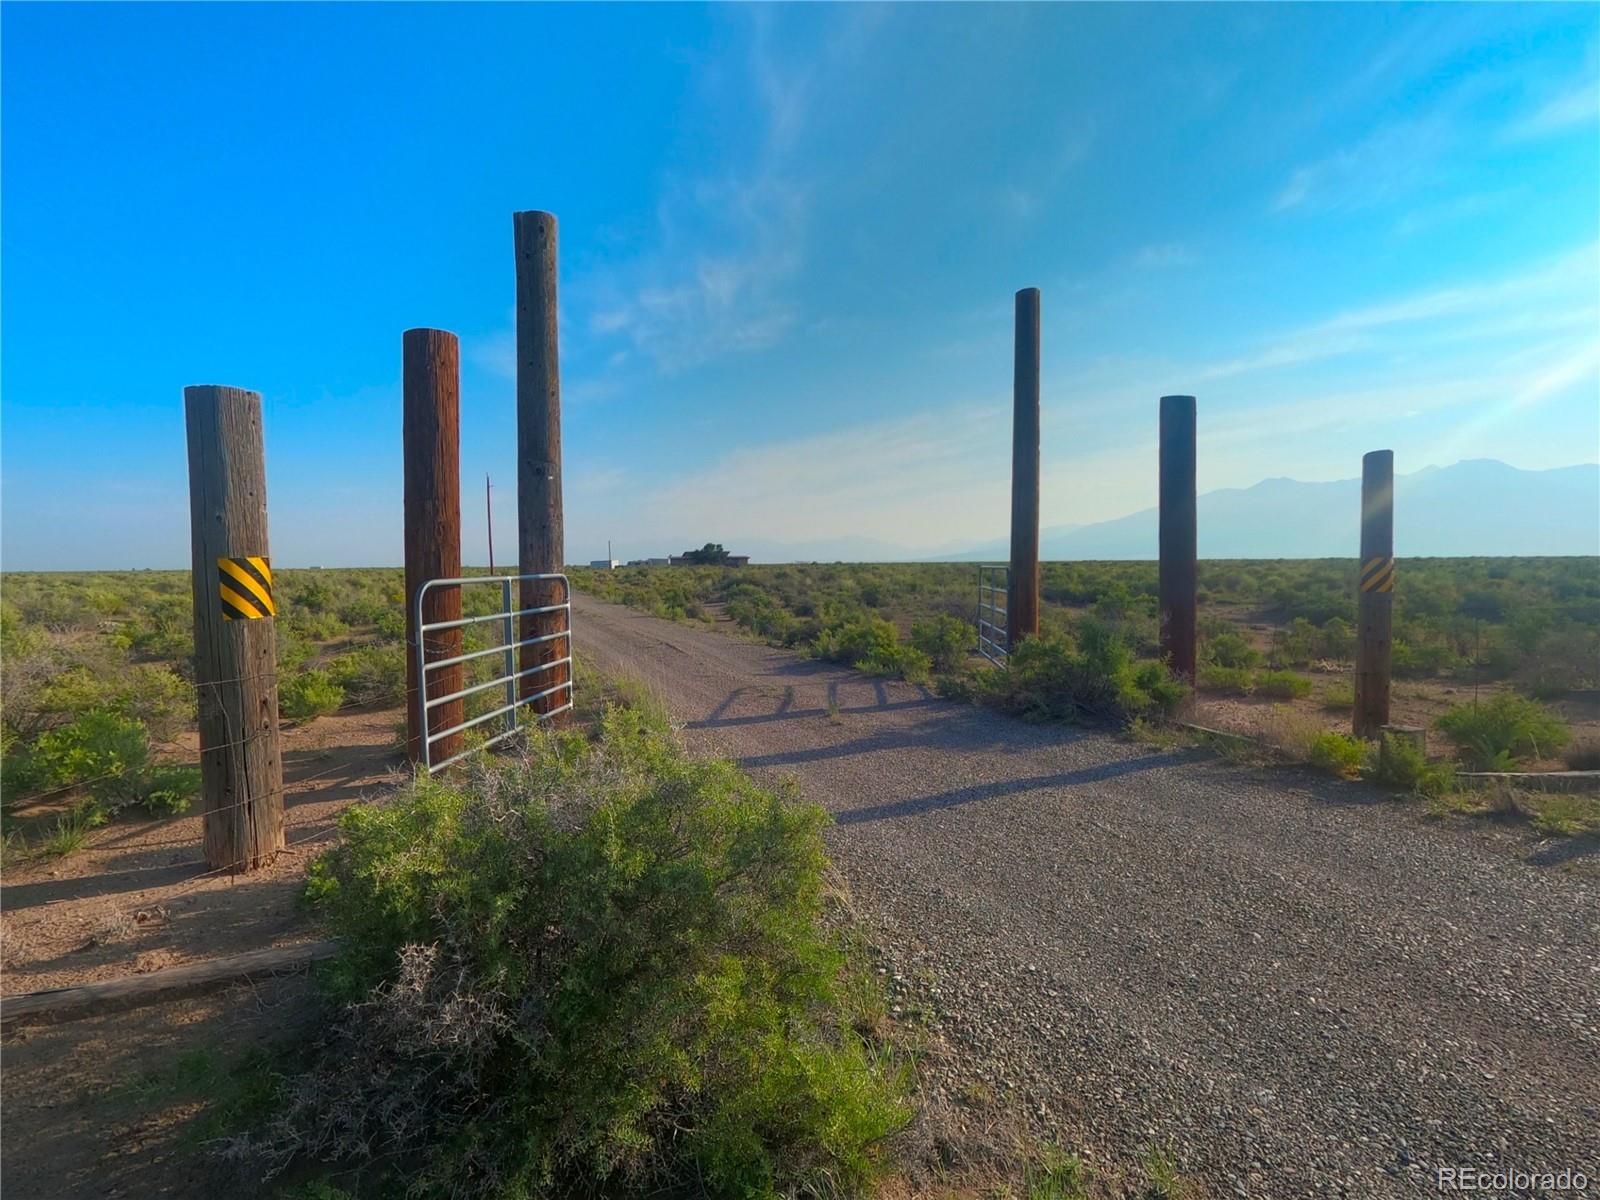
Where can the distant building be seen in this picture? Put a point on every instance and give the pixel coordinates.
(649, 562)
(605, 564)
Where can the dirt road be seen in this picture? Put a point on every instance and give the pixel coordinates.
(1302, 988)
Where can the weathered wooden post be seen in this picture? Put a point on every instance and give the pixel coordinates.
(431, 360)
(1178, 572)
(235, 643)
(1022, 595)
(541, 548)
(1375, 616)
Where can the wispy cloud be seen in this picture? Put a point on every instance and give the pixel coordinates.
(1387, 163)
(1553, 291)
(717, 278)
(1571, 109)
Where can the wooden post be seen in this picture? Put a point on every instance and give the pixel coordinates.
(1177, 536)
(1022, 595)
(1375, 616)
(541, 548)
(431, 361)
(235, 643)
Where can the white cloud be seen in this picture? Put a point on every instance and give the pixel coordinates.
(1579, 105)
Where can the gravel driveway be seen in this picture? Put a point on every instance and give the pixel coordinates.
(1303, 989)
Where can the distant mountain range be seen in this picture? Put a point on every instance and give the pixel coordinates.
(1476, 507)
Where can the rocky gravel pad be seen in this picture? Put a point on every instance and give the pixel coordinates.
(1300, 988)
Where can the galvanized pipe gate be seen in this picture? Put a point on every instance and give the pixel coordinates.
(508, 647)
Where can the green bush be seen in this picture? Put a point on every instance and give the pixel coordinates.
(1230, 650)
(1282, 685)
(1401, 764)
(1340, 697)
(308, 695)
(945, 639)
(1339, 753)
(602, 968)
(111, 754)
(1504, 729)
(1098, 680)
(371, 674)
(99, 742)
(1230, 681)
(858, 637)
(902, 662)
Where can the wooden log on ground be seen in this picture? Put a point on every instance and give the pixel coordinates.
(129, 991)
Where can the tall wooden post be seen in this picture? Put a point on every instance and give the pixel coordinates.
(235, 643)
(1375, 617)
(431, 361)
(541, 548)
(1022, 595)
(1177, 536)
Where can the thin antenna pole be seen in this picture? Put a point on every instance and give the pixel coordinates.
(488, 512)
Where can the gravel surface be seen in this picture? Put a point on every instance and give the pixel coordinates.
(1301, 988)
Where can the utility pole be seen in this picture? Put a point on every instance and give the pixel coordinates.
(488, 512)
(541, 548)
(235, 642)
(431, 369)
(1022, 599)
(1178, 570)
(1375, 616)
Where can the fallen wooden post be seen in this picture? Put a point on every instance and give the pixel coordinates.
(130, 991)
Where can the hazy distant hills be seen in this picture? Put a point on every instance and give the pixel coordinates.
(1477, 507)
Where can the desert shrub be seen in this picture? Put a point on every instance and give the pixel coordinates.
(391, 623)
(371, 674)
(1097, 680)
(95, 744)
(945, 639)
(858, 637)
(1340, 697)
(110, 753)
(1339, 753)
(1560, 663)
(1230, 650)
(1421, 659)
(902, 662)
(603, 967)
(316, 626)
(1504, 729)
(1558, 815)
(1583, 755)
(1230, 681)
(1403, 765)
(308, 695)
(148, 694)
(159, 789)
(1282, 685)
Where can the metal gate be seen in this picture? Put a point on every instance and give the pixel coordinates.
(994, 583)
(508, 648)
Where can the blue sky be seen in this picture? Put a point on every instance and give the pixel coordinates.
(790, 237)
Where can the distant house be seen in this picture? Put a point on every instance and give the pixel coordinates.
(605, 564)
(649, 562)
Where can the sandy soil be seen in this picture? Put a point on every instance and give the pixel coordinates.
(139, 897)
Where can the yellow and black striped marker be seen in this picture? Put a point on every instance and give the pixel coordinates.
(245, 585)
(1377, 575)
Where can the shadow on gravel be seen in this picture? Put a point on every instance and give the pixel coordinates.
(786, 712)
(990, 791)
(944, 732)
(1566, 850)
